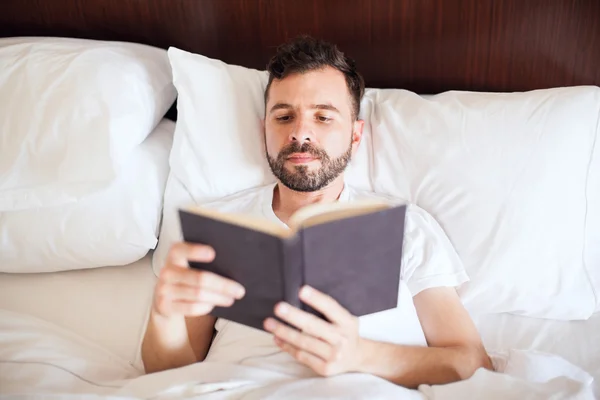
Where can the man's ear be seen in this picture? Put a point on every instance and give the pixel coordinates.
(357, 132)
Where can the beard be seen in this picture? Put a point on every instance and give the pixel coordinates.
(300, 178)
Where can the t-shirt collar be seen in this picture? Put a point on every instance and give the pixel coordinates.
(268, 201)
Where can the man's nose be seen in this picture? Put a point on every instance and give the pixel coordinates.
(302, 132)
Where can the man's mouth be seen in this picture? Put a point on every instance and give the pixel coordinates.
(301, 158)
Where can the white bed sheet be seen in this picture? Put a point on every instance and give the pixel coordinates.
(576, 341)
(108, 306)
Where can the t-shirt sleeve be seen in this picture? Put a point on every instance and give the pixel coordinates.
(428, 257)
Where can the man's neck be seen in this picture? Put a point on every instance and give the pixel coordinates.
(286, 201)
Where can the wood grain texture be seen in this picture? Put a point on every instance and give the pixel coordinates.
(427, 46)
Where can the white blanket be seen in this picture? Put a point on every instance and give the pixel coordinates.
(37, 357)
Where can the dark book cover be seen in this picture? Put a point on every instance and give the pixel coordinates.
(355, 260)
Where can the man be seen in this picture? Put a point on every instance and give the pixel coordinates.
(311, 130)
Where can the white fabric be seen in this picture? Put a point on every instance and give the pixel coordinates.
(576, 341)
(592, 235)
(94, 320)
(71, 112)
(105, 306)
(115, 226)
(513, 179)
(176, 196)
(506, 176)
(38, 358)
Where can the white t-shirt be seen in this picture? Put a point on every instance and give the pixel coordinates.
(429, 260)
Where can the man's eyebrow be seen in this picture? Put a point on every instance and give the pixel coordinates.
(286, 106)
(280, 106)
(326, 107)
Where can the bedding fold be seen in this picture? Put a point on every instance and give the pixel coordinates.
(37, 357)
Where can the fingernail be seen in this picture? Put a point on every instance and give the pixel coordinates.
(283, 308)
(239, 292)
(305, 291)
(269, 324)
(210, 252)
(205, 252)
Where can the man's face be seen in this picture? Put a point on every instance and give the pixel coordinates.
(310, 133)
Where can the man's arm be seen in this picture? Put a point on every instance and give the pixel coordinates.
(455, 349)
(176, 342)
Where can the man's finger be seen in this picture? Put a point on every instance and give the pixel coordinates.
(219, 284)
(183, 252)
(326, 305)
(315, 363)
(300, 340)
(203, 279)
(182, 292)
(308, 323)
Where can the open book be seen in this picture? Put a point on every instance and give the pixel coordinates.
(351, 251)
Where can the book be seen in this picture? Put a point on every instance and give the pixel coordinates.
(351, 251)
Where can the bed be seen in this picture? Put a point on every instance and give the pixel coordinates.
(74, 301)
(115, 299)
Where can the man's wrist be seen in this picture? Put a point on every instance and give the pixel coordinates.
(378, 358)
(364, 355)
(157, 317)
(171, 330)
(162, 321)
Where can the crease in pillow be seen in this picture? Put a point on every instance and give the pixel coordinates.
(115, 226)
(78, 109)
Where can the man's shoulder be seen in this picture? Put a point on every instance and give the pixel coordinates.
(244, 201)
(415, 214)
(357, 194)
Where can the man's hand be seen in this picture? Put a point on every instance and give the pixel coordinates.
(327, 348)
(182, 291)
(454, 350)
(180, 329)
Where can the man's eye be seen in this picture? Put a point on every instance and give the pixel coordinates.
(322, 118)
(284, 118)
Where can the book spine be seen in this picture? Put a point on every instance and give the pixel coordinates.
(292, 269)
(302, 268)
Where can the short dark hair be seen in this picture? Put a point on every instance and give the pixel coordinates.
(304, 53)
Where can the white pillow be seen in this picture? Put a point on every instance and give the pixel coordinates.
(220, 108)
(233, 98)
(71, 111)
(592, 236)
(508, 176)
(114, 226)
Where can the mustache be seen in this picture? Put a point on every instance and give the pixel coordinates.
(305, 147)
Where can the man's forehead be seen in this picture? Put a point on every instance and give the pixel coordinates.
(320, 87)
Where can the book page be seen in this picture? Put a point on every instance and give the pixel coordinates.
(247, 221)
(322, 213)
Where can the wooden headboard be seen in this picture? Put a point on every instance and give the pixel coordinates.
(427, 46)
